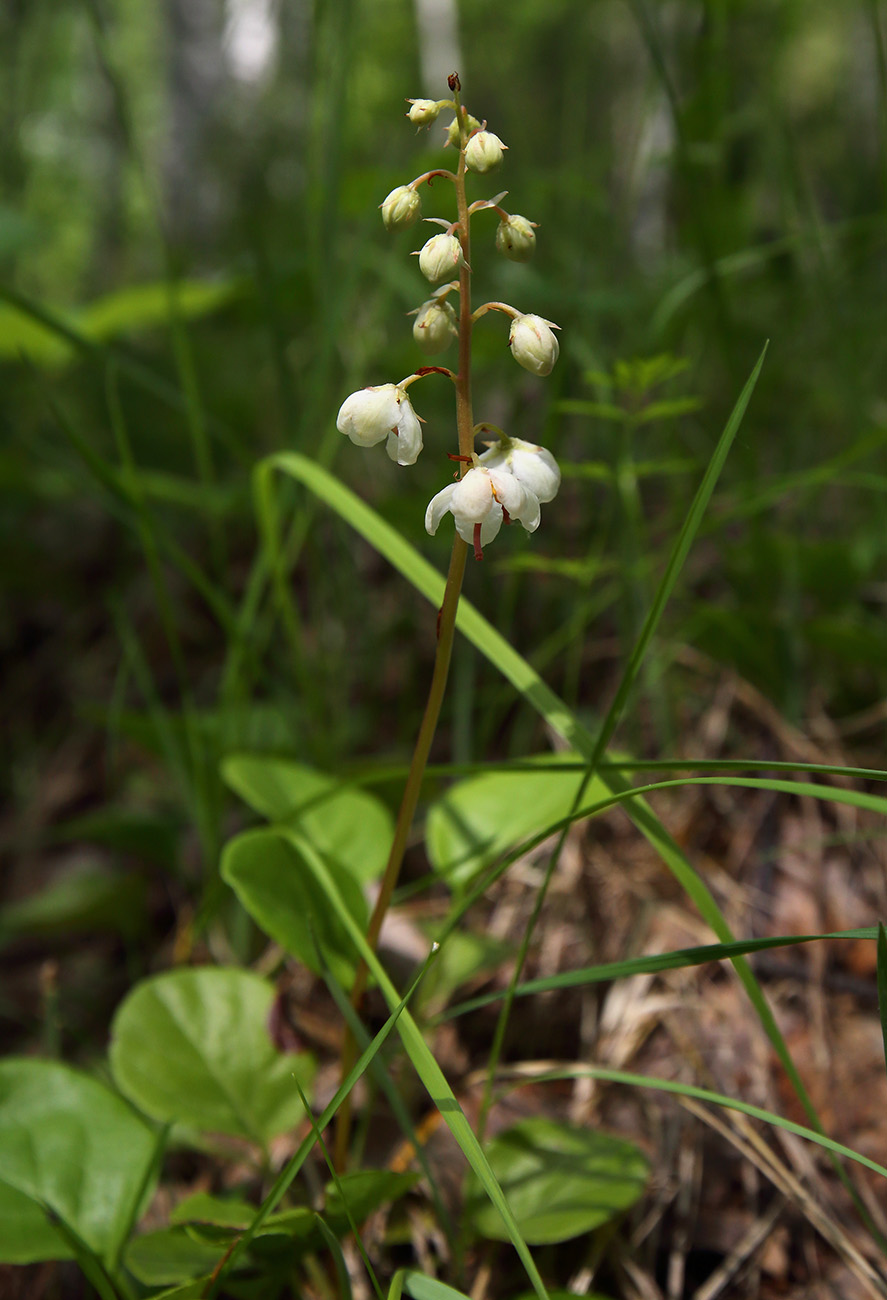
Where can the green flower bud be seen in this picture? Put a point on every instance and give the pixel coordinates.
(483, 153)
(401, 208)
(423, 111)
(533, 344)
(434, 327)
(516, 238)
(441, 256)
(471, 124)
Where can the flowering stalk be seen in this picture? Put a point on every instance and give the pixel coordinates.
(505, 483)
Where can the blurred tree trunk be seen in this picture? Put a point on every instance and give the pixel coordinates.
(195, 78)
(437, 26)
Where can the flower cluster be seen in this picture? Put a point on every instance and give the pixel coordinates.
(512, 478)
(509, 481)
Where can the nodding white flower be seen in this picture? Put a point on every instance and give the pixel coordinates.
(480, 501)
(401, 208)
(483, 152)
(533, 344)
(440, 256)
(534, 467)
(516, 238)
(424, 111)
(434, 326)
(371, 414)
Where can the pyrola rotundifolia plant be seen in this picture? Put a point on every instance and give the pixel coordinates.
(512, 478)
(508, 481)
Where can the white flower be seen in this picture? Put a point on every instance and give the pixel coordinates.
(371, 414)
(534, 467)
(401, 208)
(533, 344)
(483, 153)
(516, 238)
(440, 256)
(479, 502)
(423, 111)
(434, 326)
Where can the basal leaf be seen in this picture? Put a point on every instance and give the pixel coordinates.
(192, 1047)
(560, 1180)
(349, 826)
(275, 883)
(70, 1143)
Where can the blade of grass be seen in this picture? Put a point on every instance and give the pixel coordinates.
(333, 1246)
(294, 1164)
(138, 371)
(882, 983)
(714, 1098)
(328, 1234)
(89, 1262)
(429, 1071)
(653, 964)
(380, 1074)
(676, 560)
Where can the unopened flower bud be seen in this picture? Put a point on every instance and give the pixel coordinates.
(516, 238)
(483, 153)
(401, 208)
(423, 111)
(471, 124)
(434, 327)
(440, 256)
(533, 344)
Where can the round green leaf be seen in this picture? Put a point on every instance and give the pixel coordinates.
(192, 1047)
(170, 1256)
(26, 1234)
(348, 826)
(560, 1181)
(481, 818)
(69, 1143)
(275, 883)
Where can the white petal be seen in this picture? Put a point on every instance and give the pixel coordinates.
(405, 444)
(509, 491)
(488, 529)
(367, 416)
(529, 514)
(473, 497)
(437, 508)
(536, 468)
(495, 457)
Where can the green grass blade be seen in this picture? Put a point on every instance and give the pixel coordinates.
(653, 964)
(714, 1098)
(328, 1235)
(430, 1073)
(294, 1164)
(381, 1076)
(332, 1242)
(89, 1262)
(676, 560)
(882, 983)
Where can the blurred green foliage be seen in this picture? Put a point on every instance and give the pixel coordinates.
(193, 274)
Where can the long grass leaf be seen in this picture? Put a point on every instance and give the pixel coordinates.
(291, 1169)
(714, 1098)
(429, 1072)
(882, 983)
(676, 560)
(652, 964)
